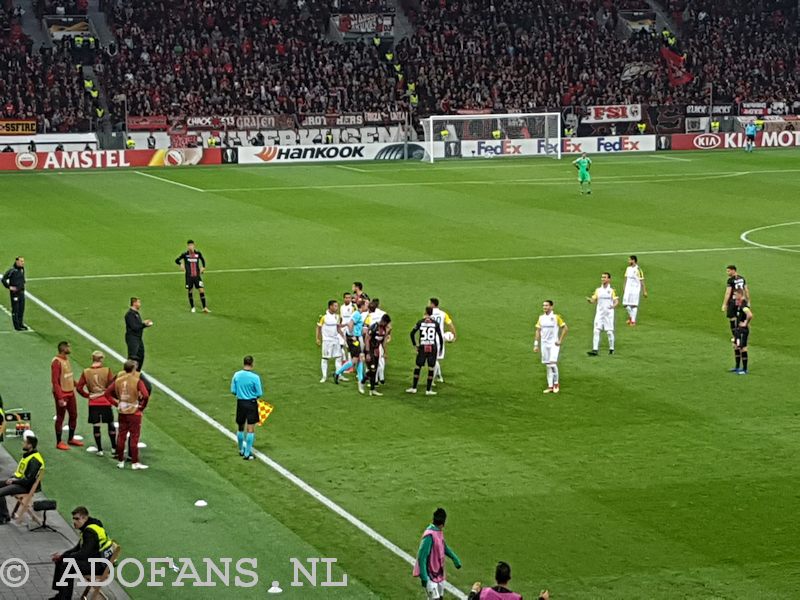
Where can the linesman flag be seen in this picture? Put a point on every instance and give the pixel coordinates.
(264, 411)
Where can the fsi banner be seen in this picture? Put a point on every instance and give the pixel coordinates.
(612, 113)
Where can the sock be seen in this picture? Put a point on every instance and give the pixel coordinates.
(732, 323)
(437, 370)
(240, 440)
(738, 355)
(373, 376)
(381, 369)
(98, 437)
(191, 299)
(324, 365)
(744, 359)
(112, 435)
(203, 299)
(71, 433)
(549, 376)
(248, 444)
(555, 374)
(634, 312)
(630, 311)
(596, 340)
(416, 378)
(336, 363)
(610, 335)
(360, 371)
(429, 384)
(344, 367)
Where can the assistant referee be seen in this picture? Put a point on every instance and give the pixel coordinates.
(246, 386)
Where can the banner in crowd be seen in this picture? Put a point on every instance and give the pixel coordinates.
(612, 113)
(152, 123)
(268, 122)
(60, 27)
(109, 159)
(676, 67)
(722, 141)
(273, 155)
(364, 23)
(17, 126)
(702, 110)
(540, 147)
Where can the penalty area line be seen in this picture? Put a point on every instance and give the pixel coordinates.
(355, 169)
(164, 180)
(282, 471)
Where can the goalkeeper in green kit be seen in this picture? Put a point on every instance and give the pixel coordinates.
(583, 164)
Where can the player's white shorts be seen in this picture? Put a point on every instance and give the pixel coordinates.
(631, 297)
(549, 353)
(434, 591)
(331, 349)
(440, 353)
(604, 322)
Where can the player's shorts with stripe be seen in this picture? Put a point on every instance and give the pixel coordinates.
(426, 355)
(740, 336)
(101, 414)
(549, 353)
(631, 297)
(194, 282)
(604, 322)
(331, 349)
(246, 412)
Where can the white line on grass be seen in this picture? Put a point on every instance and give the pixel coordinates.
(399, 263)
(282, 471)
(357, 170)
(663, 157)
(785, 248)
(8, 312)
(183, 185)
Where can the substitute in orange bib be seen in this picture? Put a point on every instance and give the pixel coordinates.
(129, 394)
(92, 386)
(64, 395)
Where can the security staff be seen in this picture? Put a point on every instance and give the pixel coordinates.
(24, 477)
(14, 280)
(88, 85)
(134, 326)
(151, 141)
(497, 134)
(569, 131)
(445, 134)
(130, 144)
(389, 56)
(714, 126)
(413, 100)
(99, 111)
(376, 40)
(329, 137)
(92, 543)
(759, 124)
(78, 41)
(642, 127)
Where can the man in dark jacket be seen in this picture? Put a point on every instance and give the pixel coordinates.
(14, 280)
(24, 477)
(134, 327)
(92, 543)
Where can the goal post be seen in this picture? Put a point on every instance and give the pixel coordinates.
(492, 135)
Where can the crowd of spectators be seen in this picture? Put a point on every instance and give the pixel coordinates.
(233, 57)
(45, 86)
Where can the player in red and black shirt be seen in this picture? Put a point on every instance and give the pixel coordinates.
(430, 340)
(735, 282)
(374, 340)
(193, 264)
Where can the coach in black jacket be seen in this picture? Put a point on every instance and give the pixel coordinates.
(14, 280)
(134, 326)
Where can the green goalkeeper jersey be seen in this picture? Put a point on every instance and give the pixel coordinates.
(583, 165)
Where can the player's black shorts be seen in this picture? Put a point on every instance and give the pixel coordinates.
(751, 138)
(100, 414)
(246, 412)
(426, 358)
(354, 345)
(194, 282)
(731, 310)
(740, 336)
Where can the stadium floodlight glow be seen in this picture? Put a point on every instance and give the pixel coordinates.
(492, 135)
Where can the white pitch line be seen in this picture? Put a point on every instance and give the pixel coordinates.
(355, 169)
(399, 263)
(179, 184)
(785, 248)
(282, 471)
(663, 157)
(8, 312)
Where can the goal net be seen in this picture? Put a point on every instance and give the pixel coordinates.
(492, 136)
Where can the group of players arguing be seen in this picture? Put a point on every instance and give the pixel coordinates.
(355, 334)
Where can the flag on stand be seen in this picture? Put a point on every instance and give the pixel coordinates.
(676, 67)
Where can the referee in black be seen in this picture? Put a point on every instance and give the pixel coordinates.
(14, 280)
(134, 327)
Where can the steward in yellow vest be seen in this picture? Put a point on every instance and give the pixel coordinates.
(92, 543)
(24, 477)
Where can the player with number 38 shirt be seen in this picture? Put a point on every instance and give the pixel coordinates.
(430, 339)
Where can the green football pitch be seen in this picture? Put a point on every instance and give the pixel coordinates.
(654, 474)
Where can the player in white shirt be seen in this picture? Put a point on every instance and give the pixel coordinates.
(444, 321)
(328, 329)
(634, 287)
(550, 331)
(605, 297)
